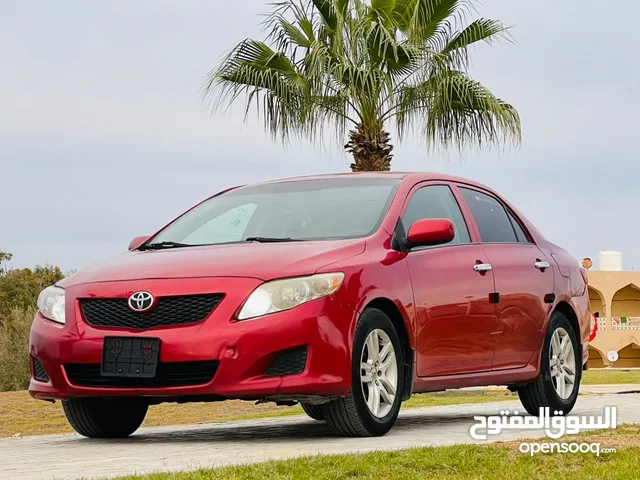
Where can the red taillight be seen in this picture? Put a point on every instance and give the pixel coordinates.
(594, 327)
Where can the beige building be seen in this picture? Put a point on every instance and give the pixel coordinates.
(614, 296)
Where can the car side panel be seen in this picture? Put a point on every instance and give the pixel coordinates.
(455, 318)
(522, 310)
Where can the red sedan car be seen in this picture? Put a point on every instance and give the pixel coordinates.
(345, 293)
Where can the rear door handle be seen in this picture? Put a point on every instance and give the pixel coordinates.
(542, 265)
(482, 267)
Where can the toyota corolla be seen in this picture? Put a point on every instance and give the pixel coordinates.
(344, 293)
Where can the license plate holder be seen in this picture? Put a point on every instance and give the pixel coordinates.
(130, 357)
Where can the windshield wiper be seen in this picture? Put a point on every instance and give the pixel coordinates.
(162, 245)
(271, 240)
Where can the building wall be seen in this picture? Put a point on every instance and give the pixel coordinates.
(616, 297)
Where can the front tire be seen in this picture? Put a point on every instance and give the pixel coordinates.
(313, 411)
(558, 384)
(104, 418)
(377, 380)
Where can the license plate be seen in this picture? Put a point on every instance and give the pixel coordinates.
(130, 357)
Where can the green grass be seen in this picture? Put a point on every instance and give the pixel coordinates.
(456, 398)
(608, 376)
(497, 461)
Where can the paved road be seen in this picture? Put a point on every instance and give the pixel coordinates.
(190, 447)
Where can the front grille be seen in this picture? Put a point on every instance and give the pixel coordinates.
(288, 362)
(168, 311)
(174, 374)
(39, 373)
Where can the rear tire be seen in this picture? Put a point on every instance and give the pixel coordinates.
(377, 380)
(558, 384)
(313, 411)
(105, 418)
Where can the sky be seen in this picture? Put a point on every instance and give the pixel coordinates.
(103, 134)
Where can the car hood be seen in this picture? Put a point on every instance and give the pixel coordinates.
(264, 261)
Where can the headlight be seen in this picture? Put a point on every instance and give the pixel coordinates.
(51, 303)
(280, 295)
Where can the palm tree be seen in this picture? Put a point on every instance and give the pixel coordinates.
(4, 257)
(358, 66)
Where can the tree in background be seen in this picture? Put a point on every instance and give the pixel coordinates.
(4, 258)
(343, 64)
(14, 349)
(19, 290)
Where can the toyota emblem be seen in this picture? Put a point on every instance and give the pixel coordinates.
(141, 301)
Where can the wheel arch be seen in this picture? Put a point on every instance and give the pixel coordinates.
(562, 306)
(567, 310)
(395, 315)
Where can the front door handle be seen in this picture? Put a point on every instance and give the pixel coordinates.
(482, 267)
(542, 265)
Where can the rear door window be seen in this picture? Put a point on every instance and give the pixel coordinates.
(520, 233)
(490, 216)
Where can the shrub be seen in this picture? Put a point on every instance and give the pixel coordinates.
(19, 288)
(14, 349)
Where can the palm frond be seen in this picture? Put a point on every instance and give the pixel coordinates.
(270, 82)
(342, 7)
(328, 13)
(296, 35)
(480, 30)
(421, 19)
(286, 35)
(451, 109)
(487, 30)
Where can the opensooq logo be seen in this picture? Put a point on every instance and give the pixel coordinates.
(554, 427)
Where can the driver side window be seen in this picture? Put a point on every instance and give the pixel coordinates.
(437, 201)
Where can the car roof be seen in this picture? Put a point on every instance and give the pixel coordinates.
(412, 176)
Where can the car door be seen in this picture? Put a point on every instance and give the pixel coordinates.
(455, 318)
(524, 280)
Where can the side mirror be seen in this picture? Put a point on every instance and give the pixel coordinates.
(136, 242)
(431, 231)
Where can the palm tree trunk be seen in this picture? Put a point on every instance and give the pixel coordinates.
(371, 150)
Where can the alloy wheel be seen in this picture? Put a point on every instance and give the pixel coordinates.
(562, 363)
(379, 373)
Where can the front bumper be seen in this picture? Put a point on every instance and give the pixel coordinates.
(244, 349)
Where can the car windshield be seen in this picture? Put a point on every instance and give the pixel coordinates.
(319, 209)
